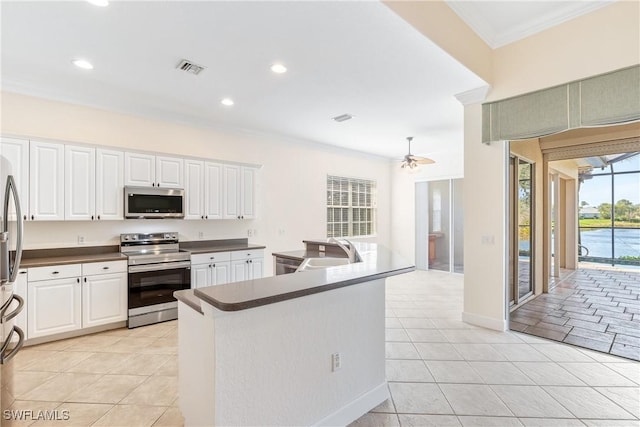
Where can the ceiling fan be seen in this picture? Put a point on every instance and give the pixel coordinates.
(411, 162)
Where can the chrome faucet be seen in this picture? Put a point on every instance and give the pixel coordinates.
(350, 251)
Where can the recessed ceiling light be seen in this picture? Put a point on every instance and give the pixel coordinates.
(278, 68)
(101, 3)
(83, 63)
(227, 101)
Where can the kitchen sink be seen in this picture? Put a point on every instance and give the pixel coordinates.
(324, 262)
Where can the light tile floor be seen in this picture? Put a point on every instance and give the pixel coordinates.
(114, 378)
(441, 372)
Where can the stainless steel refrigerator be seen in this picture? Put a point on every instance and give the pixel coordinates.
(11, 304)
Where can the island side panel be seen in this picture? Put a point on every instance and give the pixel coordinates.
(196, 363)
(273, 364)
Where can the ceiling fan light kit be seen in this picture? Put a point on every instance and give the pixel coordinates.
(412, 162)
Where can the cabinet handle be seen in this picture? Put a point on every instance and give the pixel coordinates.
(214, 266)
(201, 216)
(85, 280)
(242, 217)
(206, 217)
(55, 272)
(238, 216)
(91, 217)
(251, 261)
(23, 272)
(24, 217)
(158, 185)
(105, 268)
(31, 217)
(98, 216)
(78, 279)
(153, 184)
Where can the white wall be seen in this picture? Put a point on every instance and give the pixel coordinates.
(291, 195)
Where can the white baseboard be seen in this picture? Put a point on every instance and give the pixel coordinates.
(484, 321)
(357, 408)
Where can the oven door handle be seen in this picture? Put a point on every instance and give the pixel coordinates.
(159, 266)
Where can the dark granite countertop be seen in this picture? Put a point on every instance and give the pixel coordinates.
(229, 245)
(78, 255)
(377, 263)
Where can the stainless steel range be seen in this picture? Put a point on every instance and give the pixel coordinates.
(157, 268)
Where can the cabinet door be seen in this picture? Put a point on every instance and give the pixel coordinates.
(239, 270)
(200, 275)
(169, 172)
(213, 191)
(231, 182)
(221, 273)
(256, 268)
(14, 160)
(139, 169)
(248, 193)
(194, 189)
(54, 306)
(109, 184)
(79, 183)
(104, 299)
(46, 181)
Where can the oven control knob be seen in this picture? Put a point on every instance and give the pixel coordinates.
(126, 237)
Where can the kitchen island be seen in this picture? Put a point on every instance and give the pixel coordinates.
(297, 349)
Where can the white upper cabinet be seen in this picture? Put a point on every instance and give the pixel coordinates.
(147, 170)
(231, 180)
(194, 189)
(239, 192)
(80, 183)
(169, 172)
(139, 169)
(248, 196)
(213, 190)
(109, 184)
(14, 160)
(46, 184)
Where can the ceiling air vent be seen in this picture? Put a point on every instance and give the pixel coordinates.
(343, 118)
(189, 67)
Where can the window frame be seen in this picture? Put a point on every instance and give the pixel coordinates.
(368, 206)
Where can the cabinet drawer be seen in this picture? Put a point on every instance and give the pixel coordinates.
(93, 268)
(54, 272)
(210, 257)
(255, 253)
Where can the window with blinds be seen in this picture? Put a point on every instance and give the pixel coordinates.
(351, 207)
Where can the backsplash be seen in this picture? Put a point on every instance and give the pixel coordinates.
(59, 234)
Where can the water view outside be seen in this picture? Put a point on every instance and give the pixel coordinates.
(610, 213)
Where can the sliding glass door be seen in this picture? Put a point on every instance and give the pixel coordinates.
(439, 225)
(521, 242)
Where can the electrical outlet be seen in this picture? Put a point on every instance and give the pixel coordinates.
(81, 240)
(336, 362)
(200, 235)
(249, 233)
(321, 248)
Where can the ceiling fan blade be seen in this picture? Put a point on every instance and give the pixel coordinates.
(423, 161)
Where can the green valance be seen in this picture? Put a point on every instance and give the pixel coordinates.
(602, 100)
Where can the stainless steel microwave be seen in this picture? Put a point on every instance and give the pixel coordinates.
(145, 202)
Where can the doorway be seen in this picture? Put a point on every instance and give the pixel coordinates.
(440, 225)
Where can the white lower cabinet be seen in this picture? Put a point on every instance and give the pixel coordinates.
(247, 265)
(71, 297)
(218, 268)
(104, 299)
(54, 306)
(210, 269)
